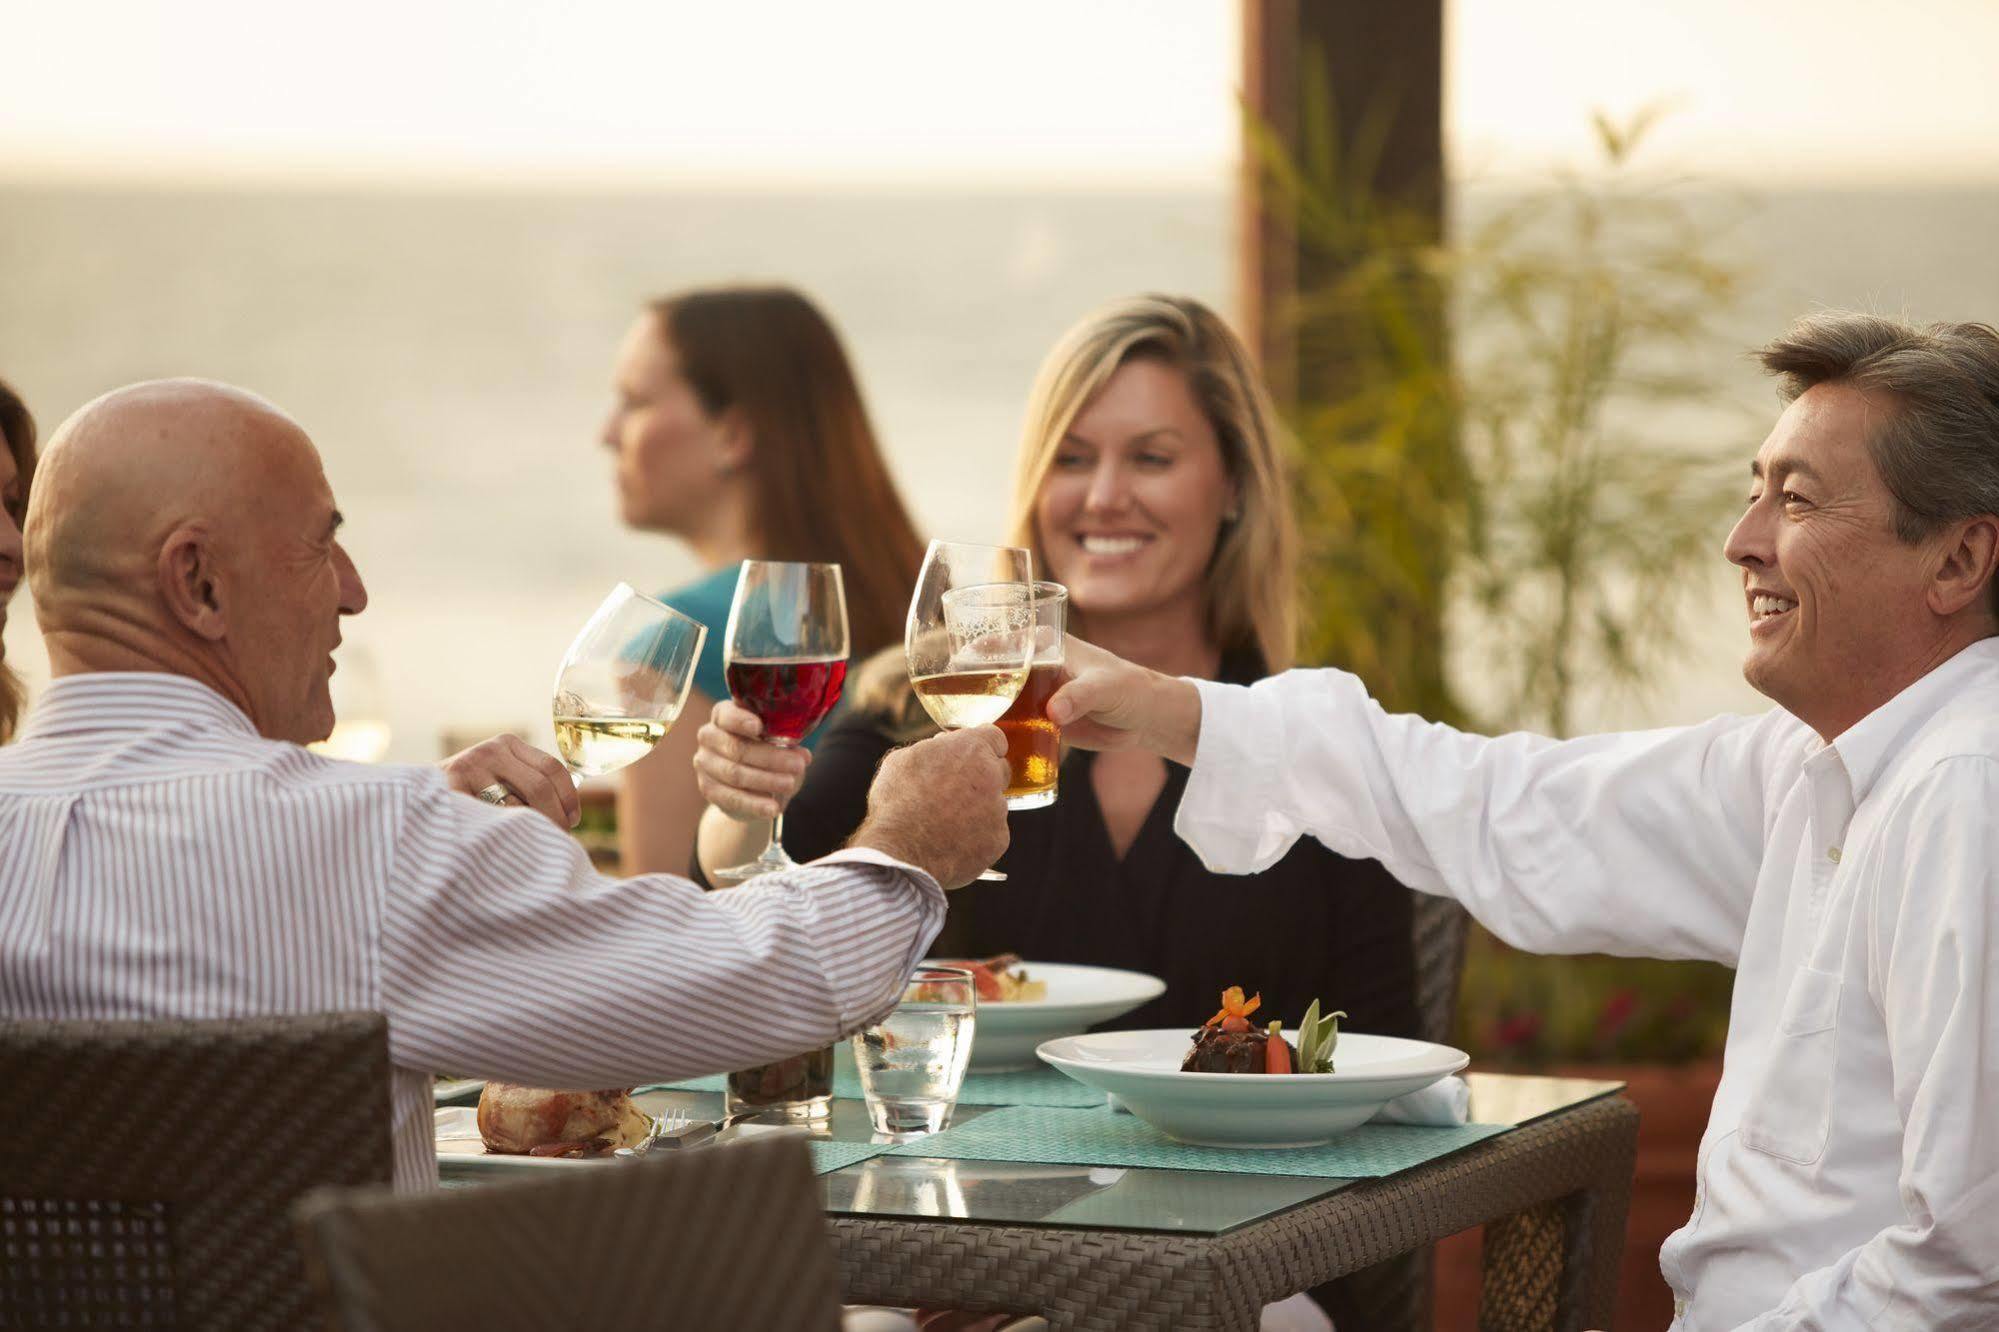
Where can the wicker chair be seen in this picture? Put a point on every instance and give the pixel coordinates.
(146, 1168)
(712, 1237)
(1441, 928)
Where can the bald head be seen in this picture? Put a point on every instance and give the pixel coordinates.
(127, 469)
(187, 526)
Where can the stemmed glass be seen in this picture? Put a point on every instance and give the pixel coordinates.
(970, 634)
(786, 659)
(623, 682)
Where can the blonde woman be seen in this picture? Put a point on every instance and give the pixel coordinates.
(1151, 483)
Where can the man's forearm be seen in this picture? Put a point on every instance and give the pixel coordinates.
(1556, 846)
(1172, 714)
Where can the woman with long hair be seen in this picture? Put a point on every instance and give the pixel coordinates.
(17, 468)
(1151, 483)
(740, 429)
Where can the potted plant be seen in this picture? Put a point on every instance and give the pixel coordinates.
(1529, 473)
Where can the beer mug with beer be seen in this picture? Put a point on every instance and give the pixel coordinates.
(1033, 742)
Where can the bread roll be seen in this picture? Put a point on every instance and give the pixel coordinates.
(517, 1120)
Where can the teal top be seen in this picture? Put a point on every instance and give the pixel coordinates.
(707, 599)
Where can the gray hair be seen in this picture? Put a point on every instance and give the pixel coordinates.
(1938, 452)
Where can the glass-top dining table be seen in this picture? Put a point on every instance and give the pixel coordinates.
(1101, 1246)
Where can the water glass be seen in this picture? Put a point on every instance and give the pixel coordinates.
(912, 1064)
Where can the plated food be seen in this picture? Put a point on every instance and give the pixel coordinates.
(1229, 1043)
(536, 1121)
(1001, 979)
(1065, 998)
(1219, 1092)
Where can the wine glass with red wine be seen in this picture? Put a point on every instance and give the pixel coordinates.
(786, 658)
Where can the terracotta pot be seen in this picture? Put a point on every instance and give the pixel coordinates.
(1672, 1103)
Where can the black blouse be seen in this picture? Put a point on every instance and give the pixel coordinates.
(1314, 925)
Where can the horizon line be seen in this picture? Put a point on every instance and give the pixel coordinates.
(408, 177)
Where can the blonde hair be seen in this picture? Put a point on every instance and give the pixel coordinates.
(1250, 593)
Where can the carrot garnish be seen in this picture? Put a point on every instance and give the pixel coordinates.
(1276, 1054)
(1235, 1010)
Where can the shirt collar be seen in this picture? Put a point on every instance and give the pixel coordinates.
(129, 701)
(1866, 748)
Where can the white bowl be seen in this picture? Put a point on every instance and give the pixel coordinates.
(1005, 1035)
(1142, 1069)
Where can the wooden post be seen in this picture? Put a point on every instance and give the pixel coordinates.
(1383, 64)
(1347, 316)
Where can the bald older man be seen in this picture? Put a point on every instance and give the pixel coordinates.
(172, 851)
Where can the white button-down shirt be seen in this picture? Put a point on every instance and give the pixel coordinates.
(1849, 1176)
(159, 859)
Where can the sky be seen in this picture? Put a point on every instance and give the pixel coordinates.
(1089, 91)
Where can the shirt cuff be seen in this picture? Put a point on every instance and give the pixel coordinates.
(1227, 814)
(867, 855)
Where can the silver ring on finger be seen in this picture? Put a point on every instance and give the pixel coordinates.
(498, 794)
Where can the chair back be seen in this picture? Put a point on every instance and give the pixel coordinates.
(1440, 928)
(706, 1237)
(147, 1168)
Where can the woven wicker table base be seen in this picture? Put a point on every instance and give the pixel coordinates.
(1556, 1191)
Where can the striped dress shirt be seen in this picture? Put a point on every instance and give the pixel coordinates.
(160, 859)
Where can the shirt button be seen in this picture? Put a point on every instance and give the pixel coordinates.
(1832, 854)
(1679, 1308)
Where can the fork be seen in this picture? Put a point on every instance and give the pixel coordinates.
(672, 1128)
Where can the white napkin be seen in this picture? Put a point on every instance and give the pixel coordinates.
(458, 1123)
(1438, 1105)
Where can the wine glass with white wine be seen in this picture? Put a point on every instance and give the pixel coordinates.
(623, 682)
(970, 634)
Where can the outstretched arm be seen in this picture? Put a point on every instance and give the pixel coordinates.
(504, 955)
(1644, 844)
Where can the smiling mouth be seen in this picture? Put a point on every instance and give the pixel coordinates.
(1766, 607)
(1112, 546)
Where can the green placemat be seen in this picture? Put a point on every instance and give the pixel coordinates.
(716, 1084)
(1029, 1086)
(1042, 1086)
(829, 1155)
(1096, 1138)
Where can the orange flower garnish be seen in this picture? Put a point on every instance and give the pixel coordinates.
(1234, 1006)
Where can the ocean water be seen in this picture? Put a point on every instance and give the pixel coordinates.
(450, 354)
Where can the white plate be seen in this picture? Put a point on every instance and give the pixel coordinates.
(459, 1145)
(1005, 1035)
(1142, 1069)
(472, 1154)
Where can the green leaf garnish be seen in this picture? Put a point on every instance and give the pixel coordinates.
(1317, 1036)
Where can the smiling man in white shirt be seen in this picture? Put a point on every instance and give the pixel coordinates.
(1841, 851)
